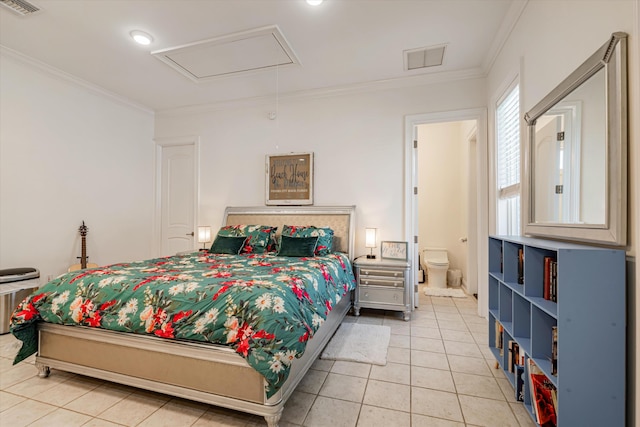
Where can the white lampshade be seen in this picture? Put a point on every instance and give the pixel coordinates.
(370, 238)
(204, 234)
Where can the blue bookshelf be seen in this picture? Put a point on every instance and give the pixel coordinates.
(589, 314)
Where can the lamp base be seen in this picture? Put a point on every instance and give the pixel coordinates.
(371, 256)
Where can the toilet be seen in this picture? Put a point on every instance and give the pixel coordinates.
(436, 263)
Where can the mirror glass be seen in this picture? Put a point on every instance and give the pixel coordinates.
(575, 160)
(570, 157)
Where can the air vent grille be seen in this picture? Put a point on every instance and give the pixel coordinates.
(20, 7)
(424, 57)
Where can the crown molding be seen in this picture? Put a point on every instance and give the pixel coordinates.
(63, 75)
(508, 24)
(358, 88)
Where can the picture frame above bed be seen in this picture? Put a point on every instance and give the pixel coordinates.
(289, 179)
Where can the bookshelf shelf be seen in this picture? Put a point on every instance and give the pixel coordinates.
(589, 316)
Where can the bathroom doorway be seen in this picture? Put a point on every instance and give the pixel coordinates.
(445, 166)
(472, 163)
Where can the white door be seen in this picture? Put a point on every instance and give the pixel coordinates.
(177, 198)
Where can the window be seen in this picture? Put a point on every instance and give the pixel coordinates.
(508, 162)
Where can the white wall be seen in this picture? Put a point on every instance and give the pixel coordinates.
(544, 58)
(358, 141)
(443, 190)
(67, 154)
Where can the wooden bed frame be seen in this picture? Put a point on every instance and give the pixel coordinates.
(207, 373)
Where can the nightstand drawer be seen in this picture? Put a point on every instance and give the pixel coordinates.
(381, 295)
(374, 281)
(381, 273)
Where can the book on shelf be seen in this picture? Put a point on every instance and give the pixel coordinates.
(543, 396)
(549, 280)
(510, 356)
(520, 383)
(498, 342)
(554, 350)
(514, 355)
(520, 266)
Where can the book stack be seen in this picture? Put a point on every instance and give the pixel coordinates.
(550, 279)
(516, 366)
(544, 397)
(554, 350)
(520, 266)
(498, 342)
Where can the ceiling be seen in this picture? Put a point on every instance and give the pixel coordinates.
(339, 44)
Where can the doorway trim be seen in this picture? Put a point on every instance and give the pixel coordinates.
(481, 231)
(161, 143)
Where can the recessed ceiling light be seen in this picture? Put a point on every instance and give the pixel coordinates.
(314, 2)
(141, 37)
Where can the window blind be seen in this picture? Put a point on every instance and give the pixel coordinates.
(508, 140)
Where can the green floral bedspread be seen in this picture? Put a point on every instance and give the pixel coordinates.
(264, 306)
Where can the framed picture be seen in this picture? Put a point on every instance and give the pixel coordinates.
(393, 250)
(289, 179)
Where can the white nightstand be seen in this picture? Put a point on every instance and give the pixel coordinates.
(383, 284)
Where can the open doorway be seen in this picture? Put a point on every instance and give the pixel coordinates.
(446, 170)
(468, 256)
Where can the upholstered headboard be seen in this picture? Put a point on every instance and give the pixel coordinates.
(341, 219)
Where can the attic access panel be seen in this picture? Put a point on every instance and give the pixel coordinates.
(233, 54)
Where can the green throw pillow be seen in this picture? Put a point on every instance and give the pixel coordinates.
(228, 244)
(297, 246)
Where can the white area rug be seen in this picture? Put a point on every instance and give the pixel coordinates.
(354, 342)
(444, 292)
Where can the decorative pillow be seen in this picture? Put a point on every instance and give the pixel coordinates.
(298, 246)
(228, 244)
(261, 237)
(324, 234)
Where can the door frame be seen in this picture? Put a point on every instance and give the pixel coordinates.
(481, 229)
(161, 143)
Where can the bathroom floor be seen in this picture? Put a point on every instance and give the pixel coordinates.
(439, 373)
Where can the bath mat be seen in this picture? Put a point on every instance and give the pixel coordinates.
(444, 292)
(354, 342)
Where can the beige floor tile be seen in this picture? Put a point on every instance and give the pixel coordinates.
(322, 365)
(426, 332)
(429, 359)
(425, 323)
(449, 317)
(344, 387)
(371, 416)
(221, 417)
(446, 309)
(97, 400)
(403, 328)
(507, 389)
(474, 318)
(18, 373)
(297, 407)
(487, 412)
(354, 369)
(442, 301)
(312, 381)
(435, 403)
(399, 355)
(25, 413)
(391, 372)
(132, 410)
(424, 421)
(35, 385)
(332, 412)
(366, 320)
(460, 336)
(5, 364)
(522, 415)
(477, 385)
(469, 365)
(402, 341)
(7, 400)
(388, 395)
(67, 391)
(427, 344)
(436, 379)
(462, 349)
(62, 417)
(97, 422)
(177, 412)
(456, 325)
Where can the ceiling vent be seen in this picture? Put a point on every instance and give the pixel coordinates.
(423, 57)
(239, 53)
(20, 7)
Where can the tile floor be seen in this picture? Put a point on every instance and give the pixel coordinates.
(439, 373)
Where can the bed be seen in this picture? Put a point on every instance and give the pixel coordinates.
(254, 374)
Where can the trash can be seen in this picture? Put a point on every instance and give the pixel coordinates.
(15, 285)
(454, 277)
